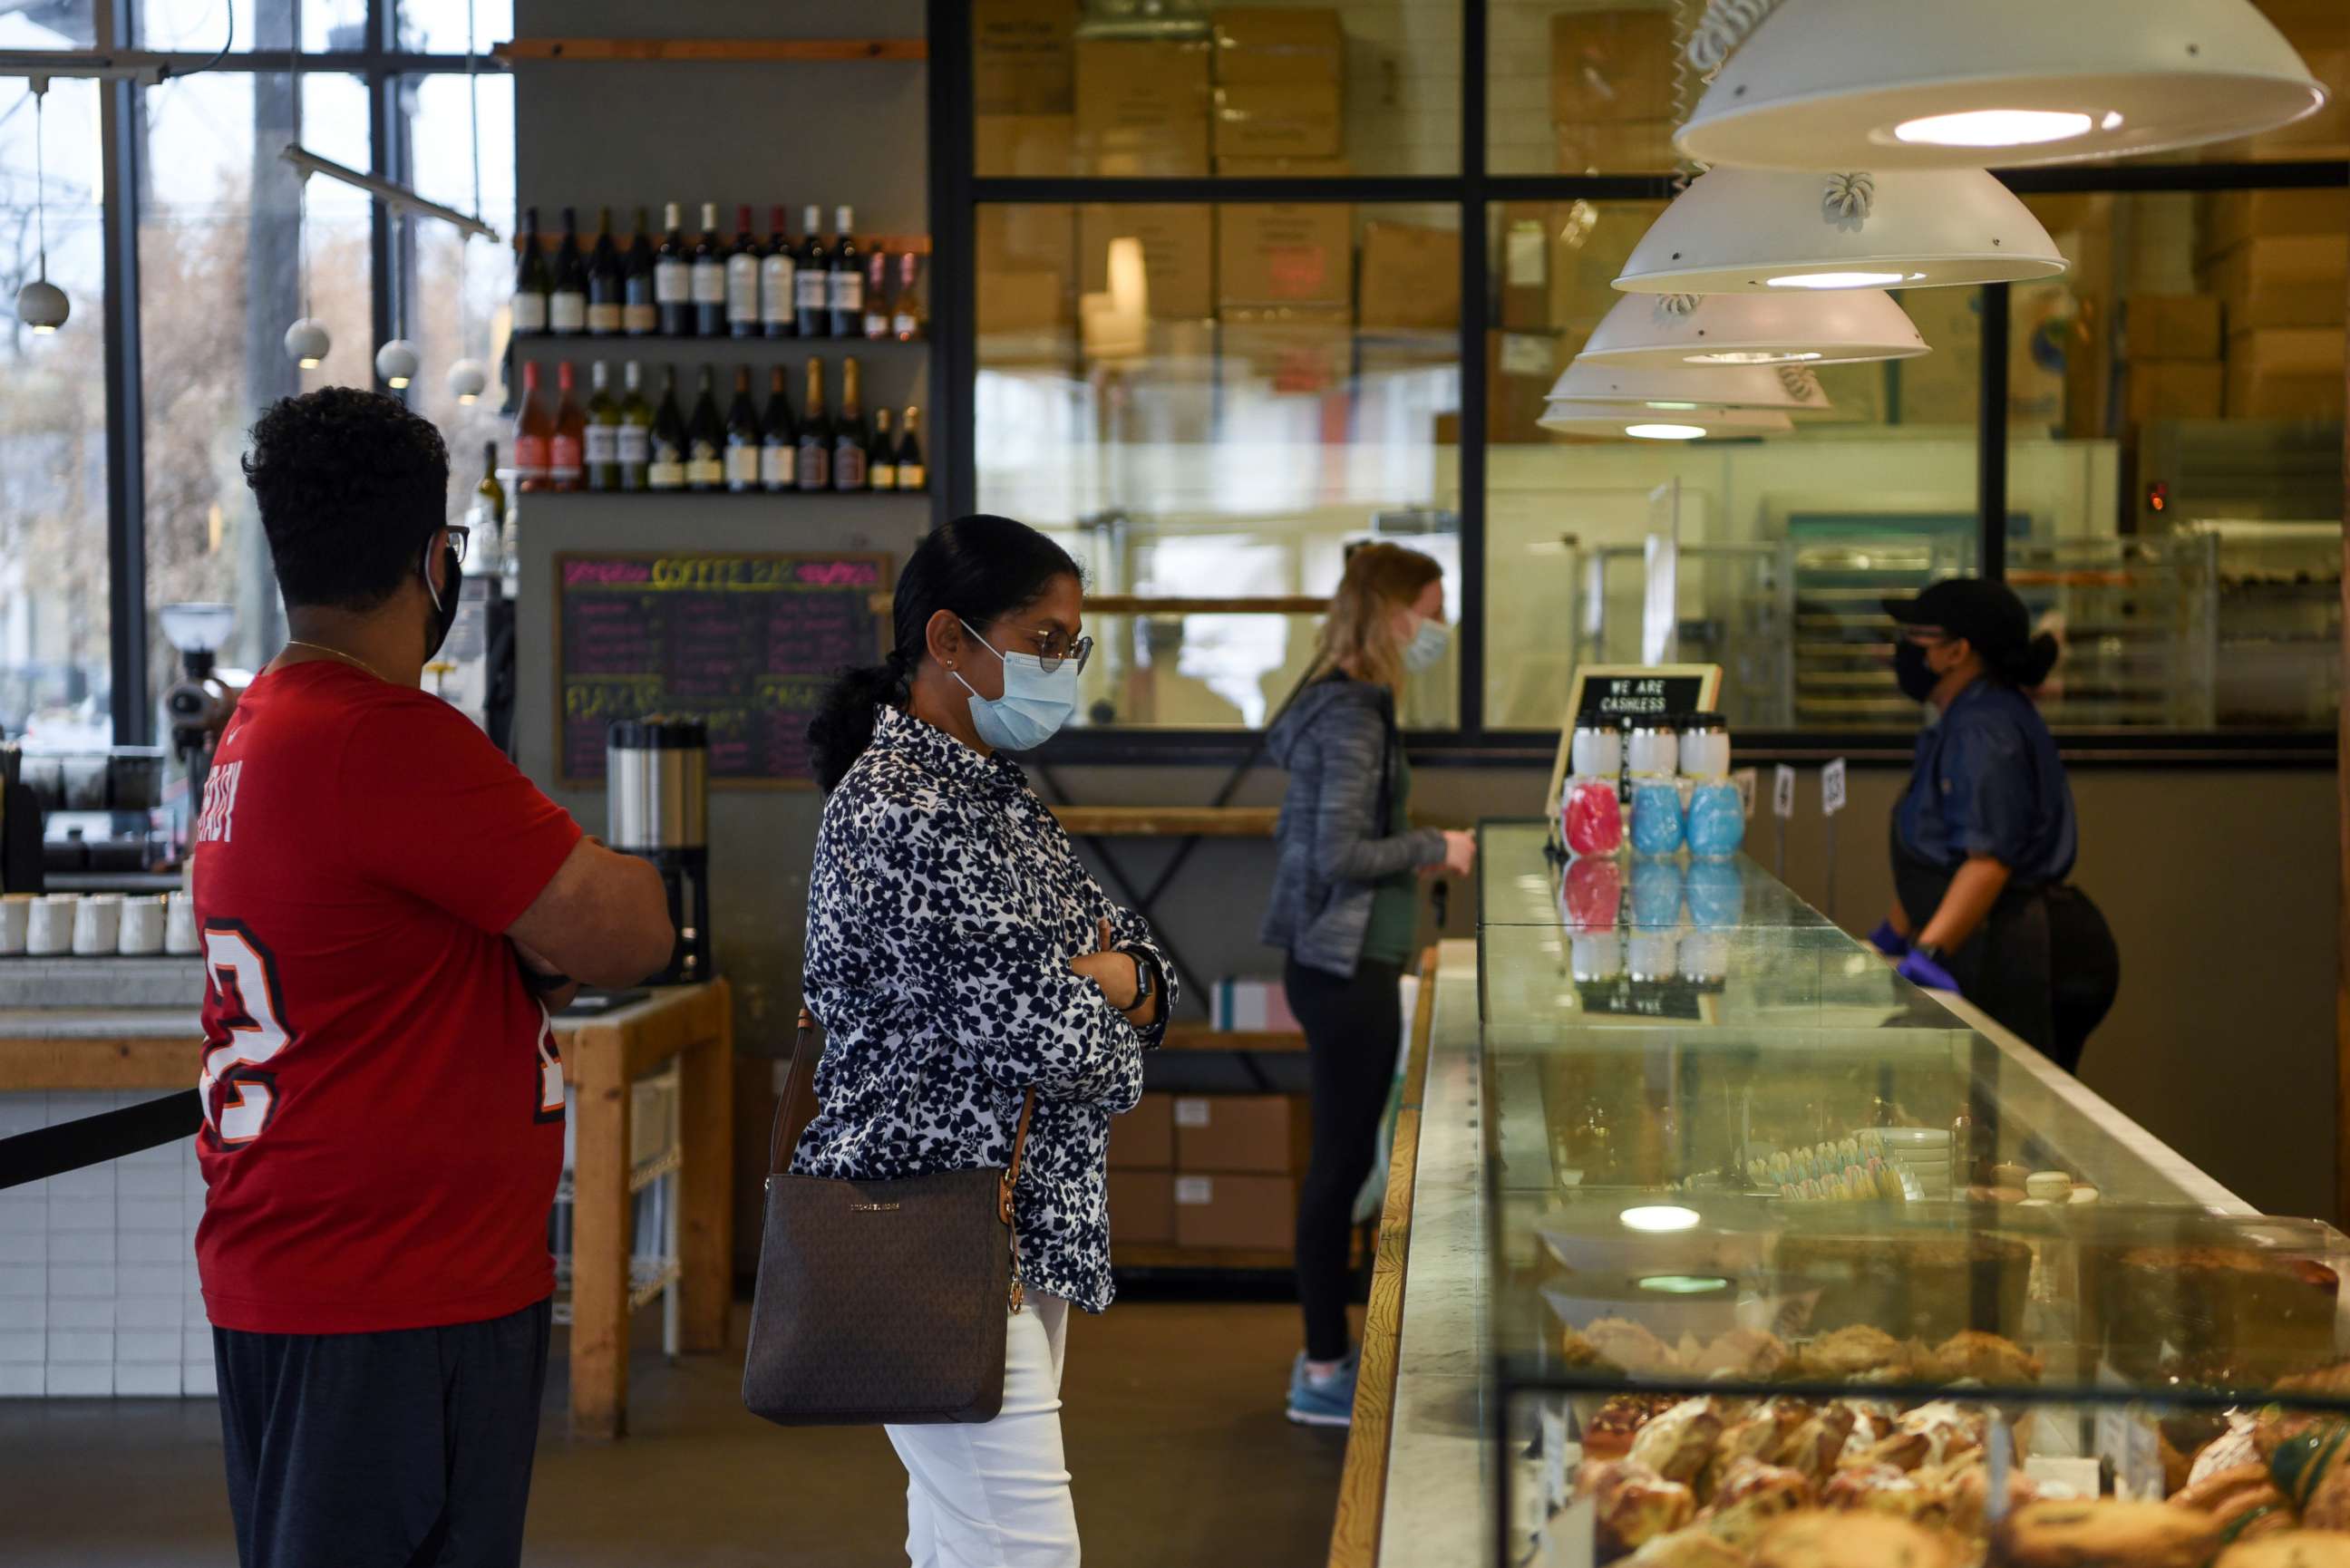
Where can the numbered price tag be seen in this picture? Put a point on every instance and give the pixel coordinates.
(1783, 792)
(1832, 788)
(1745, 779)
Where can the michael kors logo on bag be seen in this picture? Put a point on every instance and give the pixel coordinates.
(874, 1208)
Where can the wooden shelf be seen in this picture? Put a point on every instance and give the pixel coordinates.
(1130, 1255)
(1169, 820)
(708, 50)
(1200, 1037)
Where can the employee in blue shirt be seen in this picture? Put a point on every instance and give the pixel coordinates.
(1984, 835)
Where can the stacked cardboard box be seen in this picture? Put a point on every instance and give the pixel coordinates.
(2170, 344)
(1280, 85)
(1236, 1163)
(1142, 106)
(2279, 264)
(1178, 251)
(1023, 66)
(1411, 279)
(1611, 89)
(1142, 1174)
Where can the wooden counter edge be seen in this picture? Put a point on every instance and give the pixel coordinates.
(1363, 1482)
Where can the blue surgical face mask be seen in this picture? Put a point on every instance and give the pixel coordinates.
(1427, 645)
(1034, 706)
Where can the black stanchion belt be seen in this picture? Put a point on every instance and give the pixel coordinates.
(93, 1140)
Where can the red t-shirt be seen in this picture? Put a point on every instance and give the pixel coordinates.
(383, 1107)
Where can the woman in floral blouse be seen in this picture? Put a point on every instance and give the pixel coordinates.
(958, 955)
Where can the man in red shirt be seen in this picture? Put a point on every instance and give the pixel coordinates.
(389, 909)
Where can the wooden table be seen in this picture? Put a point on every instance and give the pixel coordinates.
(155, 1048)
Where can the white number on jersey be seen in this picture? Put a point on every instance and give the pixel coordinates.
(244, 978)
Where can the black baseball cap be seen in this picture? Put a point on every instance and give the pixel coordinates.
(1985, 613)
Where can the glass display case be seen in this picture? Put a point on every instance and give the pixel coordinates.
(1788, 1264)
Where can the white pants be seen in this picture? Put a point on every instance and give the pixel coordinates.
(997, 1495)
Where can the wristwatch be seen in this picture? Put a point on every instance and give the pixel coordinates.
(1143, 979)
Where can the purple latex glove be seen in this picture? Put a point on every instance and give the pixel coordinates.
(1887, 940)
(1920, 971)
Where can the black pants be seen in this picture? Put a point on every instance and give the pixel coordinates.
(408, 1449)
(1352, 1027)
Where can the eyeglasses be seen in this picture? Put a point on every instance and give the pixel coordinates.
(1053, 650)
(457, 536)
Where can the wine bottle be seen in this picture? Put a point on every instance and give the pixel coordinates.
(710, 277)
(742, 436)
(534, 428)
(743, 277)
(705, 442)
(529, 305)
(812, 288)
(848, 275)
(779, 437)
(813, 470)
(603, 432)
(876, 295)
(912, 472)
(640, 311)
(487, 515)
(672, 285)
(849, 436)
(665, 470)
(567, 301)
(567, 449)
(635, 430)
(604, 280)
(906, 319)
(776, 269)
(882, 454)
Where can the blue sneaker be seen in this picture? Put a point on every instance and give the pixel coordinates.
(1327, 1403)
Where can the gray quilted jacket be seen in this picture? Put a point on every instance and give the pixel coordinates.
(1336, 740)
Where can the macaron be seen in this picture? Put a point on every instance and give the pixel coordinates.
(2052, 1185)
(2084, 1195)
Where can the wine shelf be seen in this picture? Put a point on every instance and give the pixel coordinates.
(535, 497)
(530, 341)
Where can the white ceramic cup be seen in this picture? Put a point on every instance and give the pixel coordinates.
(142, 927)
(49, 927)
(15, 909)
(97, 924)
(179, 923)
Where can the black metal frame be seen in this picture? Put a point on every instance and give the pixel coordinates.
(957, 191)
(380, 68)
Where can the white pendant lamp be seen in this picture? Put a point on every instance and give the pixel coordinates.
(40, 304)
(1804, 326)
(306, 343)
(467, 380)
(1938, 84)
(1679, 387)
(1640, 422)
(396, 363)
(1754, 231)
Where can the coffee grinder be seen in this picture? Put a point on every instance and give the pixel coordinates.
(199, 704)
(657, 807)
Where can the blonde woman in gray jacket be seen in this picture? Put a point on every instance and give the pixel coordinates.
(1346, 903)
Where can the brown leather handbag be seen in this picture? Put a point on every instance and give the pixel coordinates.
(880, 1302)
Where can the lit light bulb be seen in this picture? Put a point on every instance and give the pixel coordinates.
(1665, 432)
(306, 343)
(1660, 1216)
(1994, 127)
(1843, 279)
(467, 379)
(1750, 356)
(43, 306)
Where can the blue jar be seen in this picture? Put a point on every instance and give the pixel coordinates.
(1717, 894)
(1656, 893)
(1717, 821)
(1656, 818)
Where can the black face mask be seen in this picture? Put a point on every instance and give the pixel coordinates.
(1916, 678)
(444, 603)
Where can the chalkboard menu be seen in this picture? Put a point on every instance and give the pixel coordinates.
(746, 643)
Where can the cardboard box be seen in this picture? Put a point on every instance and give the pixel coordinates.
(1278, 44)
(2255, 394)
(1142, 1208)
(1255, 1134)
(1411, 277)
(1290, 354)
(1525, 243)
(1023, 56)
(1256, 1212)
(2171, 327)
(1283, 256)
(1142, 106)
(1024, 146)
(2288, 350)
(1024, 302)
(2174, 389)
(1027, 269)
(1285, 168)
(2283, 280)
(2326, 133)
(1178, 254)
(1279, 120)
(1611, 89)
(2231, 217)
(1144, 1138)
(1252, 1003)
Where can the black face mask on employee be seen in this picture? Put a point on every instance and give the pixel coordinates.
(444, 600)
(1918, 678)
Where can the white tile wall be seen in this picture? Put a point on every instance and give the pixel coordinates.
(99, 1295)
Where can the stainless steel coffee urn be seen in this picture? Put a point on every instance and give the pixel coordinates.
(657, 795)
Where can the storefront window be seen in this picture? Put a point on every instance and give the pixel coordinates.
(2175, 457)
(1210, 404)
(1363, 87)
(59, 25)
(220, 239)
(438, 27)
(56, 661)
(327, 25)
(1572, 88)
(1778, 545)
